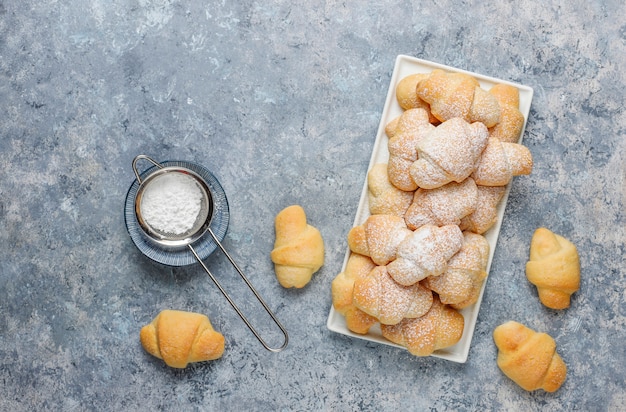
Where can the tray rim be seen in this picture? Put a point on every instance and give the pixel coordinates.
(335, 322)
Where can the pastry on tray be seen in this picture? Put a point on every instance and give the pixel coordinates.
(378, 295)
(439, 328)
(342, 286)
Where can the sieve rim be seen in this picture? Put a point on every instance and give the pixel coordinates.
(173, 241)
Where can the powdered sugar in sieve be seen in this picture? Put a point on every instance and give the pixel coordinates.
(172, 203)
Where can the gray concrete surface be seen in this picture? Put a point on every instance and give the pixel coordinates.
(282, 102)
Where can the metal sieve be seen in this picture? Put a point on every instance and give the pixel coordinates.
(200, 227)
(202, 221)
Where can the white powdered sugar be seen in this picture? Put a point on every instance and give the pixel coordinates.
(171, 203)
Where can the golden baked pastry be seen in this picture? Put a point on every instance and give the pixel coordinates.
(445, 205)
(406, 94)
(392, 126)
(500, 161)
(453, 95)
(439, 328)
(383, 197)
(378, 237)
(425, 252)
(449, 152)
(342, 286)
(180, 337)
(554, 268)
(509, 128)
(378, 295)
(486, 213)
(410, 128)
(459, 286)
(298, 250)
(529, 358)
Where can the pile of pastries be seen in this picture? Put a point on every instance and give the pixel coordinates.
(421, 255)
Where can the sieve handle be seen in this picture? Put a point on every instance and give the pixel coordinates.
(232, 303)
(145, 157)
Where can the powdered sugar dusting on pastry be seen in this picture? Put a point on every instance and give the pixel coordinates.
(411, 127)
(440, 327)
(461, 282)
(485, 108)
(485, 214)
(442, 167)
(378, 237)
(446, 205)
(425, 253)
(448, 94)
(500, 161)
(378, 295)
(448, 153)
(384, 197)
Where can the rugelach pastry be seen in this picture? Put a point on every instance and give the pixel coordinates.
(357, 267)
(425, 252)
(486, 213)
(459, 286)
(298, 250)
(378, 295)
(458, 95)
(180, 337)
(378, 237)
(500, 161)
(383, 197)
(509, 128)
(448, 153)
(529, 358)
(439, 328)
(554, 268)
(406, 94)
(410, 128)
(445, 205)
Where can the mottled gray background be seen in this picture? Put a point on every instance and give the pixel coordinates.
(282, 102)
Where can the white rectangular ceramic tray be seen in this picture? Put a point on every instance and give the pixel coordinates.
(404, 66)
